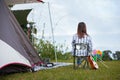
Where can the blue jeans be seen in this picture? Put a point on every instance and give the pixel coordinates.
(79, 59)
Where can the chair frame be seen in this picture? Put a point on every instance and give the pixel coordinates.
(85, 58)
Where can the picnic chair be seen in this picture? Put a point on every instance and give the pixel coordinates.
(84, 59)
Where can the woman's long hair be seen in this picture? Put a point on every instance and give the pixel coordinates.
(81, 30)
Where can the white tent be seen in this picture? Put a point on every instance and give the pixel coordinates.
(16, 51)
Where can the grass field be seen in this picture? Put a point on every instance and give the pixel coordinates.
(68, 73)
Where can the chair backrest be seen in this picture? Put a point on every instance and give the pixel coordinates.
(81, 49)
(81, 46)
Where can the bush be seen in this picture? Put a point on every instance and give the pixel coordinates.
(106, 55)
(47, 50)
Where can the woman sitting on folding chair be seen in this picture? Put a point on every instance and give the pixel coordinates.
(81, 45)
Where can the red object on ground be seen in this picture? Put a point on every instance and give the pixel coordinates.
(40, 1)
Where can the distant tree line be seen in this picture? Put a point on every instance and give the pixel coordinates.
(115, 55)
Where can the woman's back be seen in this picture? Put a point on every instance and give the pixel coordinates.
(83, 45)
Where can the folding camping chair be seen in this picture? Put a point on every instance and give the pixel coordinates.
(84, 61)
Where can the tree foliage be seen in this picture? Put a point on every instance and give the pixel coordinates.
(47, 50)
(106, 55)
(118, 55)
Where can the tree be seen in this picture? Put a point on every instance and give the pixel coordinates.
(118, 55)
(47, 50)
(106, 55)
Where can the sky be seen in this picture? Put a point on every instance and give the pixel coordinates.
(102, 18)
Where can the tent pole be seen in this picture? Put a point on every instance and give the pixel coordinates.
(52, 30)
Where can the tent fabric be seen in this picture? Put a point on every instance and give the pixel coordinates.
(21, 16)
(12, 2)
(10, 56)
(14, 44)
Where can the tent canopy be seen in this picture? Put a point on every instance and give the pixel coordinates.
(21, 15)
(13, 2)
(16, 51)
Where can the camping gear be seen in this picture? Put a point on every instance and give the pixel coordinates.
(16, 51)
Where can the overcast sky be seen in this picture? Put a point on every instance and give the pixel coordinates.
(102, 18)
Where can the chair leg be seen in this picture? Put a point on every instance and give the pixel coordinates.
(86, 64)
(83, 63)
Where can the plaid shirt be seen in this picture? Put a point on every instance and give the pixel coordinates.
(84, 47)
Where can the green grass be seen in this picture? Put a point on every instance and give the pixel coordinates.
(68, 73)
